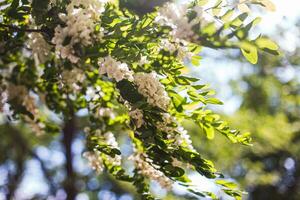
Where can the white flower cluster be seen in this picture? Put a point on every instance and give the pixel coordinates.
(183, 138)
(111, 141)
(17, 91)
(96, 158)
(178, 163)
(143, 61)
(26, 98)
(81, 19)
(93, 94)
(105, 112)
(183, 52)
(72, 77)
(23, 97)
(166, 125)
(137, 116)
(149, 86)
(175, 132)
(115, 69)
(40, 48)
(174, 15)
(3, 99)
(148, 169)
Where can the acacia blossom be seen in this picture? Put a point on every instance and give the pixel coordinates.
(23, 96)
(81, 19)
(114, 69)
(143, 61)
(73, 78)
(179, 46)
(175, 132)
(97, 159)
(105, 112)
(175, 16)
(149, 86)
(147, 168)
(94, 160)
(94, 93)
(112, 142)
(40, 48)
(137, 116)
(3, 99)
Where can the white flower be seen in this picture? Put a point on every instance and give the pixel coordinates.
(17, 91)
(149, 86)
(111, 141)
(3, 99)
(95, 158)
(105, 112)
(183, 52)
(95, 161)
(143, 61)
(137, 116)
(81, 19)
(168, 46)
(175, 132)
(183, 138)
(147, 168)
(28, 100)
(174, 15)
(73, 78)
(114, 69)
(40, 48)
(93, 93)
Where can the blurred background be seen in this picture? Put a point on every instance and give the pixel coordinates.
(263, 99)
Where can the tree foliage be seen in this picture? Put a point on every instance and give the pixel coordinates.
(124, 68)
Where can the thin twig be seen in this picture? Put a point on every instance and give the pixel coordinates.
(16, 28)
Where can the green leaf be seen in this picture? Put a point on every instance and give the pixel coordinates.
(238, 21)
(173, 171)
(266, 43)
(214, 101)
(226, 184)
(269, 5)
(177, 100)
(196, 60)
(250, 52)
(226, 17)
(216, 9)
(209, 131)
(202, 2)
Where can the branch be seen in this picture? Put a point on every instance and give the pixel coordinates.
(68, 136)
(16, 28)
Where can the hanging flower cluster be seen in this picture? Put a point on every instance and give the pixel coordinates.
(3, 99)
(149, 86)
(95, 161)
(137, 116)
(21, 94)
(175, 16)
(148, 169)
(40, 48)
(73, 78)
(175, 132)
(114, 69)
(81, 20)
(98, 160)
